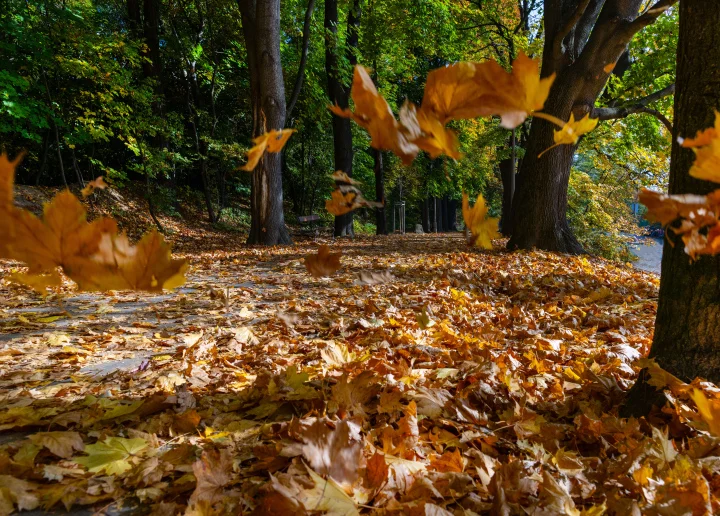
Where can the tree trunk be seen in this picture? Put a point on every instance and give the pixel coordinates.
(452, 214)
(426, 215)
(507, 175)
(687, 336)
(339, 94)
(380, 226)
(581, 39)
(261, 30)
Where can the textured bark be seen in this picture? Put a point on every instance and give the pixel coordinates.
(380, 224)
(581, 38)
(261, 30)
(426, 215)
(339, 93)
(687, 329)
(303, 60)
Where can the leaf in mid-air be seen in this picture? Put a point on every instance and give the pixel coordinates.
(482, 228)
(324, 263)
(96, 184)
(272, 141)
(706, 145)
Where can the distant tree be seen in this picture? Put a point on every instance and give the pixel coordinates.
(584, 39)
(687, 328)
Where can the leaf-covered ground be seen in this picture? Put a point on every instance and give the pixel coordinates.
(421, 379)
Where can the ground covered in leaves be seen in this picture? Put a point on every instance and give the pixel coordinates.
(422, 378)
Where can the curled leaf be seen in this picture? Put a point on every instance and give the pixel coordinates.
(482, 228)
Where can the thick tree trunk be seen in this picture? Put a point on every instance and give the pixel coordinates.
(581, 38)
(380, 225)
(687, 328)
(339, 94)
(261, 30)
(452, 214)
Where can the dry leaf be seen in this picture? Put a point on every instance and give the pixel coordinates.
(96, 184)
(324, 263)
(483, 229)
(213, 472)
(272, 141)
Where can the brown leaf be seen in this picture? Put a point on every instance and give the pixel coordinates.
(212, 472)
(324, 263)
(377, 470)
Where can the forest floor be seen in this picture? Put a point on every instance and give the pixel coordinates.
(423, 378)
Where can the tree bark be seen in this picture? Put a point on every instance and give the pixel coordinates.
(507, 175)
(303, 60)
(687, 337)
(261, 31)
(339, 94)
(380, 226)
(426, 215)
(581, 38)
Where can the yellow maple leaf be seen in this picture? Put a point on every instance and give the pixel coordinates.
(709, 410)
(111, 456)
(570, 131)
(322, 264)
(482, 228)
(424, 129)
(706, 146)
(272, 141)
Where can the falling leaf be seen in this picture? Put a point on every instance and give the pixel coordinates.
(373, 113)
(324, 263)
(61, 444)
(571, 131)
(346, 198)
(706, 146)
(96, 184)
(111, 455)
(342, 177)
(374, 278)
(92, 254)
(272, 141)
(483, 229)
(609, 67)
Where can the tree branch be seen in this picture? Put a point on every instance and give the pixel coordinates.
(303, 59)
(638, 106)
(565, 30)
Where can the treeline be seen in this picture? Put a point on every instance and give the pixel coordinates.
(172, 93)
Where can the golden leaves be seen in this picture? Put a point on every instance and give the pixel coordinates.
(570, 132)
(272, 141)
(92, 254)
(706, 146)
(324, 263)
(459, 91)
(483, 229)
(96, 184)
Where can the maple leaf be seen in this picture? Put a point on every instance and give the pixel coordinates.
(14, 491)
(213, 473)
(346, 198)
(272, 141)
(709, 410)
(665, 208)
(111, 455)
(327, 496)
(335, 450)
(448, 462)
(482, 228)
(377, 470)
(91, 254)
(512, 96)
(96, 184)
(61, 444)
(427, 131)
(373, 113)
(706, 146)
(324, 263)
(341, 177)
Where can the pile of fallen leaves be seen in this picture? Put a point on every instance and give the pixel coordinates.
(417, 380)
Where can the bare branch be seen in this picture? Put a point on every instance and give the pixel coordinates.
(648, 17)
(303, 59)
(637, 106)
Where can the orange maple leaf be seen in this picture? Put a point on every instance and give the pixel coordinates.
(324, 263)
(92, 254)
(96, 184)
(272, 141)
(706, 146)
